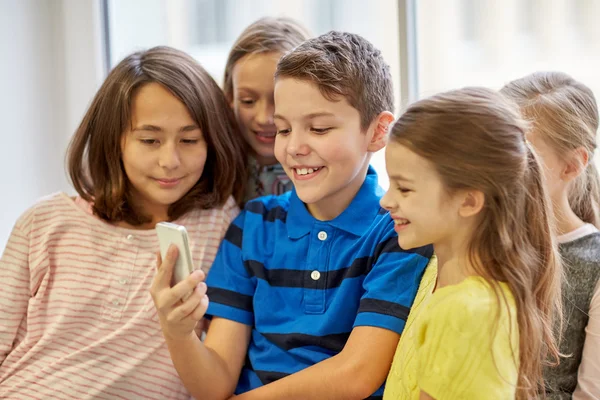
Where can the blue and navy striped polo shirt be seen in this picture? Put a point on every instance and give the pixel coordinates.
(303, 284)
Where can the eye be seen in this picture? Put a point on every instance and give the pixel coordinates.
(148, 141)
(247, 102)
(284, 131)
(190, 141)
(320, 131)
(403, 190)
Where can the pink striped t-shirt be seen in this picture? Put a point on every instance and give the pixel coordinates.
(76, 317)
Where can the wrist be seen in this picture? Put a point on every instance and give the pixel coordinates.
(180, 338)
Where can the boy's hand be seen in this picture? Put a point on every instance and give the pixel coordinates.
(178, 317)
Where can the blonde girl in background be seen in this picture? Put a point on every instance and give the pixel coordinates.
(564, 117)
(249, 86)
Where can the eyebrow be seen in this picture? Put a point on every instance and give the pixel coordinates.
(309, 116)
(398, 177)
(154, 128)
(246, 89)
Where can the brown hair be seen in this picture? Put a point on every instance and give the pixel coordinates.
(565, 112)
(94, 155)
(476, 140)
(265, 35)
(343, 65)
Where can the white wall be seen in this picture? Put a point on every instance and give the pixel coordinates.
(50, 69)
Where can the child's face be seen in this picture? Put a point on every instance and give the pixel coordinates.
(253, 106)
(164, 151)
(422, 210)
(321, 146)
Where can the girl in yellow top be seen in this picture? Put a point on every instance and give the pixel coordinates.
(463, 178)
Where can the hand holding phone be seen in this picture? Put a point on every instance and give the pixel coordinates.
(168, 234)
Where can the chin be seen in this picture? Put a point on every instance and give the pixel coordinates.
(309, 196)
(167, 200)
(408, 244)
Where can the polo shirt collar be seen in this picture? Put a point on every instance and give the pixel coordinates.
(355, 219)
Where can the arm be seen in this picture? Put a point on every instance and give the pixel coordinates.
(425, 396)
(14, 296)
(355, 373)
(208, 370)
(588, 381)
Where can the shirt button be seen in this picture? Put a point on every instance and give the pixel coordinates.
(122, 281)
(322, 235)
(129, 237)
(315, 275)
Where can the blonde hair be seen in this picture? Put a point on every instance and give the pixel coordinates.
(476, 140)
(265, 35)
(565, 113)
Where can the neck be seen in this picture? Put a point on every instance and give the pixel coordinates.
(330, 207)
(156, 213)
(454, 263)
(565, 218)
(144, 226)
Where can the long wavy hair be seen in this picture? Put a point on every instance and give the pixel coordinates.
(476, 140)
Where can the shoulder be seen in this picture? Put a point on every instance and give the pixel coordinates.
(46, 209)
(583, 250)
(265, 210)
(230, 206)
(471, 303)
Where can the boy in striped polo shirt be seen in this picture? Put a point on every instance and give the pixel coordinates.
(309, 292)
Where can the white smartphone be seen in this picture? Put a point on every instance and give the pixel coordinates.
(169, 233)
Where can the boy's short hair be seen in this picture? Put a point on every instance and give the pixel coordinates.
(343, 65)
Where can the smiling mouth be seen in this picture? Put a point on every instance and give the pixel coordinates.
(168, 182)
(265, 137)
(306, 171)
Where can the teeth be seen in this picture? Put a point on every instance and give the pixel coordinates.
(306, 171)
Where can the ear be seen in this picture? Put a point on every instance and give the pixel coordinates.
(472, 203)
(575, 163)
(380, 126)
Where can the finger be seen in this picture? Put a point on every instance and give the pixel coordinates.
(200, 311)
(187, 285)
(155, 280)
(158, 260)
(165, 268)
(184, 309)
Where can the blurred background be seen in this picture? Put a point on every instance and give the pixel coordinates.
(55, 54)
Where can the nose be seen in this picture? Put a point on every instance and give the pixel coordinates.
(264, 114)
(297, 144)
(387, 202)
(169, 156)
